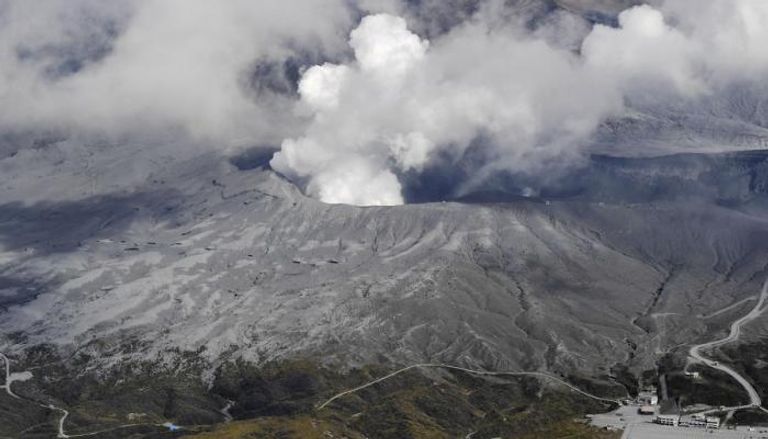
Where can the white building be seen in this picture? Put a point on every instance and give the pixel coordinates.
(697, 420)
(703, 421)
(672, 420)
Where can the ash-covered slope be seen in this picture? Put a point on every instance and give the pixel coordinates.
(737, 120)
(737, 179)
(236, 262)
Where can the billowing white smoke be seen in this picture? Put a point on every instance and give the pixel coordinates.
(712, 44)
(181, 67)
(729, 37)
(644, 53)
(402, 100)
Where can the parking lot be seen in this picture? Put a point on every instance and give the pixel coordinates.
(637, 426)
(620, 418)
(652, 431)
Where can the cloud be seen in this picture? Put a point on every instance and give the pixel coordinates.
(164, 65)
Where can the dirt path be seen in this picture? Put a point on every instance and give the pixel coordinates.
(474, 372)
(64, 413)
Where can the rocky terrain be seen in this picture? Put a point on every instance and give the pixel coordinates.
(216, 260)
(240, 263)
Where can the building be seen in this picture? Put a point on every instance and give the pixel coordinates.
(703, 421)
(672, 420)
(697, 420)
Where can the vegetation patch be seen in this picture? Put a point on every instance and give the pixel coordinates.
(711, 387)
(281, 400)
(750, 360)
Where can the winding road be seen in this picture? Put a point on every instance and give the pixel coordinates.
(7, 386)
(225, 412)
(471, 371)
(733, 335)
(7, 382)
(64, 413)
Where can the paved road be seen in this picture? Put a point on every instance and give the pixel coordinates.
(734, 334)
(64, 413)
(475, 372)
(7, 383)
(225, 411)
(7, 387)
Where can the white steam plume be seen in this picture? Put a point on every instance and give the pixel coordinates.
(404, 100)
(401, 100)
(710, 45)
(533, 94)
